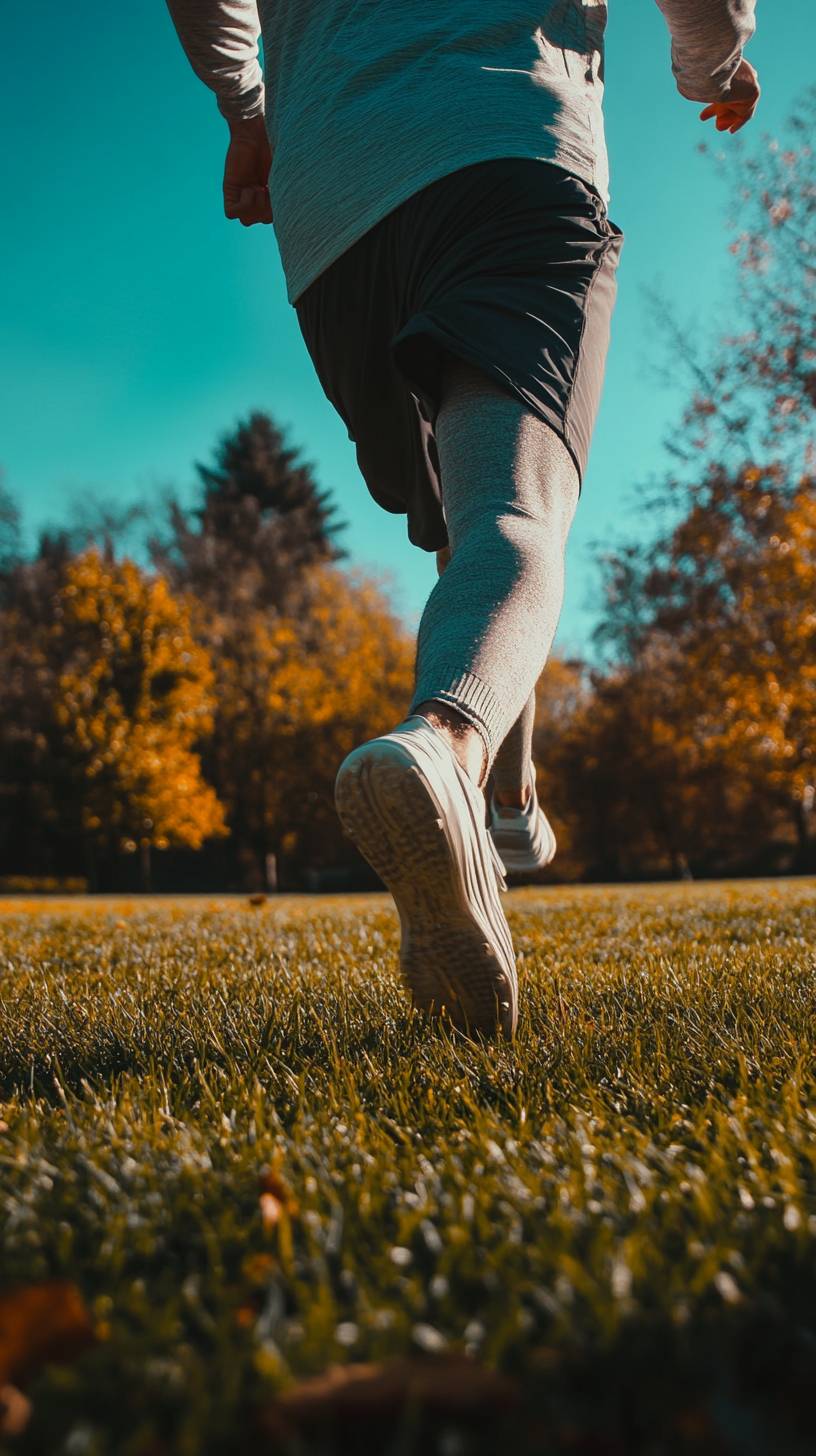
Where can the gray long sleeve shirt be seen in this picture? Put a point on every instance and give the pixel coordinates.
(368, 101)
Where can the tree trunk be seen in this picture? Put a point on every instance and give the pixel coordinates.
(90, 867)
(805, 844)
(144, 865)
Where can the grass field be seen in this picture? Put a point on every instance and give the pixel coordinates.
(224, 1126)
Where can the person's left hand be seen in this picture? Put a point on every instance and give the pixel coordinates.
(732, 111)
(246, 172)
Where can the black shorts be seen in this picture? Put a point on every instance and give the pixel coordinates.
(509, 264)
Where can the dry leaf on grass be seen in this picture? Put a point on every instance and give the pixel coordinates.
(257, 1268)
(41, 1322)
(276, 1198)
(15, 1410)
(271, 1209)
(451, 1385)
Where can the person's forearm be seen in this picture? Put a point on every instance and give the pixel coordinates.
(707, 42)
(220, 38)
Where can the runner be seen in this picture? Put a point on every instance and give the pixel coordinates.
(439, 190)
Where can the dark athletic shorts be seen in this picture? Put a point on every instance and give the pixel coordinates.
(509, 264)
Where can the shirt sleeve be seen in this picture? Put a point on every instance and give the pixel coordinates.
(220, 38)
(707, 42)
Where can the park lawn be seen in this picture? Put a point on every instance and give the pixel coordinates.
(224, 1126)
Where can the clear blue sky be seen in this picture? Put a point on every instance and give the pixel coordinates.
(138, 323)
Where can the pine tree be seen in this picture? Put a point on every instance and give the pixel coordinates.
(10, 536)
(260, 522)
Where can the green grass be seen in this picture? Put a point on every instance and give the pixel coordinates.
(619, 1212)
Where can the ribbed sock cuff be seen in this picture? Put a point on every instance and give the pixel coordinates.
(474, 699)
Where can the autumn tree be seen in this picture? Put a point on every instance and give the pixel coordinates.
(134, 697)
(296, 692)
(104, 695)
(758, 715)
(721, 656)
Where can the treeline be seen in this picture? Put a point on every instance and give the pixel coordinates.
(198, 706)
(179, 719)
(696, 754)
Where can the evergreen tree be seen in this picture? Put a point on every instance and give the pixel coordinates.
(10, 536)
(260, 522)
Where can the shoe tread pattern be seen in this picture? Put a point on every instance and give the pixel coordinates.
(449, 959)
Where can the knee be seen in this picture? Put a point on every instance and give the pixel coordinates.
(536, 539)
(534, 520)
(532, 534)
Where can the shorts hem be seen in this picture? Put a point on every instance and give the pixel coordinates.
(423, 325)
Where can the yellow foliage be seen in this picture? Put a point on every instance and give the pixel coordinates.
(295, 695)
(762, 709)
(134, 697)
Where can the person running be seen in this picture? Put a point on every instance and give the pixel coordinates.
(436, 174)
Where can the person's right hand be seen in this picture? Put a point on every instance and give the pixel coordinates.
(732, 111)
(246, 173)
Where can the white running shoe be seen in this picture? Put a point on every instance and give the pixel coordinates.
(418, 819)
(523, 837)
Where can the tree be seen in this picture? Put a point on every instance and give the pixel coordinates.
(752, 392)
(295, 693)
(37, 790)
(760, 713)
(10, 536)
(260, 522)
(133, 697)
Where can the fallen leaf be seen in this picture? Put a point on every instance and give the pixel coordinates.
(15, 1411)
(450, 1385)
(38, 1323)
(271, 1210)
(258, 1267)
(276, 1198)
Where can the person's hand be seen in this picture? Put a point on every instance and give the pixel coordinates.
(246, 172)
(732, 111)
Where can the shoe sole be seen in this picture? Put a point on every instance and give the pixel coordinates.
(456, 955)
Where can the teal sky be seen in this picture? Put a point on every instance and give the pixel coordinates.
(138, 323)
